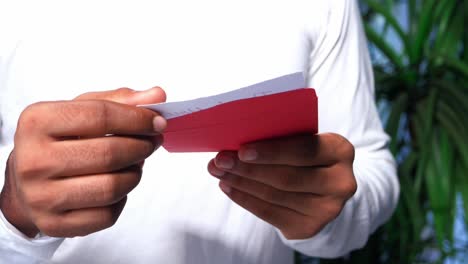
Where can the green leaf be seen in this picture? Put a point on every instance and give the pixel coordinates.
(465, 35)
(448, 108)
(393, 122)
(422, 33)
(437, 202)
(389, 6)
(456, 100)
(431, 73)
(391, 20)
(439, 185)
(444, 165)
(440, 9)
(449, 122)
(453, 91)
(450, 29)
(419, 140)
(383, 46)
(458, 66)
(410, 197)
(429, 112)
(445, 10)
(411, 201)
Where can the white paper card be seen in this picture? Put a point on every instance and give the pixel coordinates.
(277, 85)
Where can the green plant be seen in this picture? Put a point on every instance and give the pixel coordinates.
(425, 87)
(422, 87)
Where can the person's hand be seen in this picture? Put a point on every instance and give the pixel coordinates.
(298, 184)
(74, 162)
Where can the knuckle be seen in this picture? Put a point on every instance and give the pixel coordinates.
(344, 148)
(311, 227)
(105, 95)
(108, 154)
(136, 172)
(84, 96)
(352, 187)
(31, 117)
(332, 210)
(348, 186)
(101, 115)
(123, 90)
(30, 166)
(110, 190)
(108, 219)
(49, 226)
(93, 112)
(39, 200)
(148, 147)
(112, 213)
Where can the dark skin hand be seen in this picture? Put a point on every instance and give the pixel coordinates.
(66, 178)
(298, 184)
(74, 162)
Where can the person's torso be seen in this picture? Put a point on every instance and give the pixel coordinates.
(177, 214)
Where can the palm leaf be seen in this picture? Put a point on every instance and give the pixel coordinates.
(422, 33)
(383, 46)
(390, 19)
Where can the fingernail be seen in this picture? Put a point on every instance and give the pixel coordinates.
(248, 154)
(225, 188)
(216, 172)
(159, 124)
(224, 162)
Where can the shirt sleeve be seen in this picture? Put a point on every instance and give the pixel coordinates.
(340, 70)
(15, 247)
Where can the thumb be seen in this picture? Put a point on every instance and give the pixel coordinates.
(128, 96)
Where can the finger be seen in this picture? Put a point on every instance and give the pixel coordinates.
(302, 150)
(292, 224)
(83, 222)
(127, 96)
(303, 203)
(101, 155)
(95, 190)
(317, 180)
(94, 118)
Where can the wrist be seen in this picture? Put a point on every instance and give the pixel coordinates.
(11, 206)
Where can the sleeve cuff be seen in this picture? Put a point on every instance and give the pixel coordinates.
(310, 246)
(40, 247)
(14, 245)
(331, 241)
(5, 151)
(348, 231)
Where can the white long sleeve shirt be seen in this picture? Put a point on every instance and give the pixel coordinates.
(55, 50)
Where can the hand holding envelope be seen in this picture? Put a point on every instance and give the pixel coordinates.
(274, 108)
(272, 161)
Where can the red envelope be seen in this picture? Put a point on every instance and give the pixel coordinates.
(227, 126)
